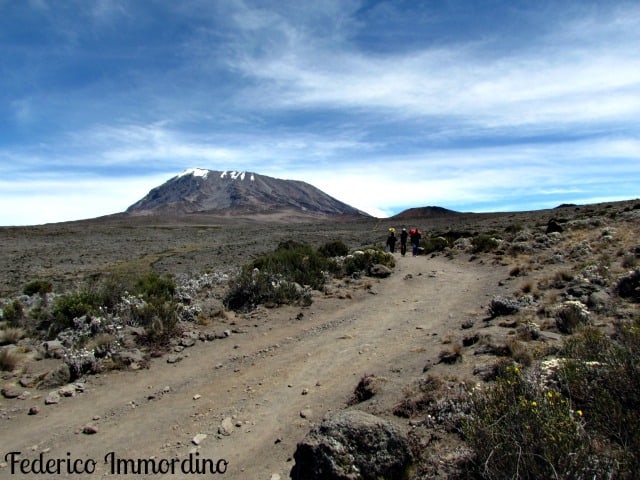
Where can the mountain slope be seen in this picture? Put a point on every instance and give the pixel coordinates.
(224, 192)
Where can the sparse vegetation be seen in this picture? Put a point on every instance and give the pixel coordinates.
(418, 399)
(582, 425)
(9, 359)
(519, 429)
(484, 243)
(367, 387)
(601, 377)
(38, 287)
(361, 260)
(287, 275)
(11, 335)
(13, 312)
(500, 306)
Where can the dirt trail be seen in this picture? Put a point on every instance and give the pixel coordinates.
(263, 379)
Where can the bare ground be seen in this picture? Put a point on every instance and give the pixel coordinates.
(263, 379)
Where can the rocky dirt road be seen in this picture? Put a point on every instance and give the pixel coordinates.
(257, 393)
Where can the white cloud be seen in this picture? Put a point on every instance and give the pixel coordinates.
(64, 199)
(294, 90)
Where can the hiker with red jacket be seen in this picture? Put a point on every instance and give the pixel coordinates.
(415, 236)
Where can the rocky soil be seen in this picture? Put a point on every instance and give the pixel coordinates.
(242, 390)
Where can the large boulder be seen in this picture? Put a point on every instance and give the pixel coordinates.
(352, 445)
(55, 378)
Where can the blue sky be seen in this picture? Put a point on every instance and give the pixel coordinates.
(474, 106)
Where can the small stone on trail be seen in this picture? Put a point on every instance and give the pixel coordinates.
(89, 430)
(52, 399)
(197, 396)
(173, 358)
(197, 440)
(226, 427)
(11, 392)
(34, 410)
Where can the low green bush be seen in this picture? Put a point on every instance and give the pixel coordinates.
(13, 312)
(434, 244)
(282, 277)
(294, 262)
(362, 260)
(586, 426)
(602, 378)
(336, 248)
(160, 320)
(154, 286)
(70, 306)
(39, 287)
(157, 292)
(484, 243)
(518, 429)
(253, 287)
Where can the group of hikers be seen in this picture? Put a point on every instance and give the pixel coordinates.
(413, 234)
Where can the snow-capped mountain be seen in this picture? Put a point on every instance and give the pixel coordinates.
(229, 192)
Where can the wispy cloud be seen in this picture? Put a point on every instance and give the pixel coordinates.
(383, 105)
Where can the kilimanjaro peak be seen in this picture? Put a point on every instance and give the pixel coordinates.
(203, 191)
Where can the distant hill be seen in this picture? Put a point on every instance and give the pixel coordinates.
(425, 212)
(200, 191)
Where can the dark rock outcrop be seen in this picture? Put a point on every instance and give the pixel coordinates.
(352, 445)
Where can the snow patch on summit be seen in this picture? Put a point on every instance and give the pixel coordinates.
(196, 172)
(235, 175)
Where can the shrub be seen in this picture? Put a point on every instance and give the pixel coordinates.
(278, 278)
(154, 286)
(40, 287)
(254, 287)
(160, 320)
(336, 248)
(294, 262)
(11, 335)
(602, 377)
(13, 312)
(70, 306)
(520, 430)
(9, 359)
(158, 304)
(362, 260)
(571, 315)
(484, 243)
(500, 306)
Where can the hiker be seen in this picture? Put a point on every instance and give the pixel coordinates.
(415, 235)
(403, 241)
(391, 240)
